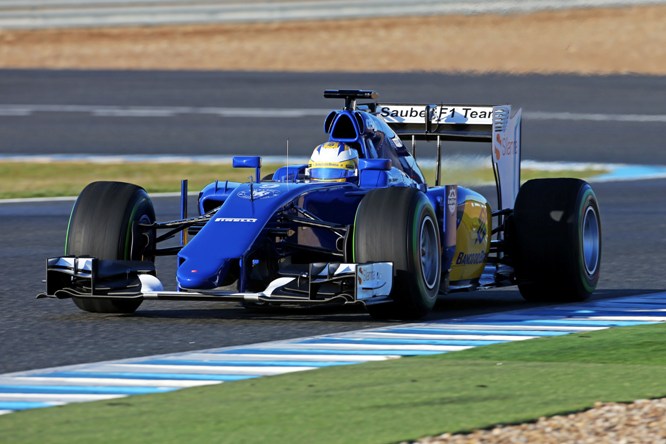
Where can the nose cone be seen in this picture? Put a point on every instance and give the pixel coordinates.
(200, 276)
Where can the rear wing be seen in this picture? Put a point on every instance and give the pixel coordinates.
(500, 125)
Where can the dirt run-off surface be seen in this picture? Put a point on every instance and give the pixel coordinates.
(640, 422)
(588, 41)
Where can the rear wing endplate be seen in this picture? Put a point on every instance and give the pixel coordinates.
(500, 125)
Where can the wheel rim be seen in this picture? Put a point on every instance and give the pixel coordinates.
(429, 252)
(591, 240)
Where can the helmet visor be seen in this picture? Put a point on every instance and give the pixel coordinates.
(330, 173)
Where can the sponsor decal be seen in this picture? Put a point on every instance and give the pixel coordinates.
(368, 275)
(327, 164)
(504, 146)
(370, 278)
(471, 259)
(482, 231)
(452, 200)
(261, 191)
(479, 115)
(398, 113)
(250, 220)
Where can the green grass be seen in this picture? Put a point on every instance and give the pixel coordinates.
(376, 402)
(19, 179)
(33, 179)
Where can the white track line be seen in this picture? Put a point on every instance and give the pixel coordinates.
(11, 110)
(57, 398)
(112, 382)
(213, 369)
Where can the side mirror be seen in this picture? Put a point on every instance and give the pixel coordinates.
(248, 162)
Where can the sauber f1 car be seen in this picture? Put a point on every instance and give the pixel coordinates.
(358, 224)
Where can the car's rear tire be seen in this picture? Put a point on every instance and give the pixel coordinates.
(399, 225)
(557, 240)
(104, 224)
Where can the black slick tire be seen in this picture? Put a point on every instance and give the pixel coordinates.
(399, 225)
(557, 240)
(104, 224)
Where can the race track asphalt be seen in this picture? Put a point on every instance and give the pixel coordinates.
(191, 133)
(42, 333)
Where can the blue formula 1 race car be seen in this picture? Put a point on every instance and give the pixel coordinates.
(357, 224)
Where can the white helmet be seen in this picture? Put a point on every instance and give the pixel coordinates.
(333, 162)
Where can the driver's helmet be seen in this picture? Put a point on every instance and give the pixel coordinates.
(333, 162)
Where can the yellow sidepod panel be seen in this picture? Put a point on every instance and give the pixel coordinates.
(473, 240)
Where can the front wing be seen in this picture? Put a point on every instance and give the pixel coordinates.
(87, 277)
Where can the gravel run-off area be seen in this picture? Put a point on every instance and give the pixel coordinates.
(588, 41)
(641, 422)
(582, 41)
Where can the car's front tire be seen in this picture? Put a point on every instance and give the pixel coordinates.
(108, 222)
(399, 225)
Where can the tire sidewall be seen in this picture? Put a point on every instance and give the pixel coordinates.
(587, 282)
(423, 213)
